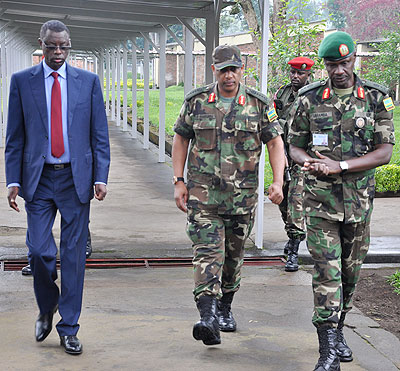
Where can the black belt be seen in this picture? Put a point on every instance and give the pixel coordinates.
(57, 166)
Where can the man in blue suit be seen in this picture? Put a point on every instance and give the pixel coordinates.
(57, 151)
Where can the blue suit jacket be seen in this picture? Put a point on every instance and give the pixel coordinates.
(27, 131)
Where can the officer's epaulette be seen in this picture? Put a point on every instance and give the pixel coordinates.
(281, 90)
(374, 85)
(197, 91)
(309, 87)
(255, 93)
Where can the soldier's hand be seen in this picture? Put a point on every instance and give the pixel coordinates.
(275, 193)
(322, 165)
(12, 195)
(181, 196)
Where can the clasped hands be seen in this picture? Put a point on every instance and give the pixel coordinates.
(321, 165)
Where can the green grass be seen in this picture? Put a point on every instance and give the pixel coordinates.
(174, 99)
(394, 280)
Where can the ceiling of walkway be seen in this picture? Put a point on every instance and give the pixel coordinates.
(98, 23)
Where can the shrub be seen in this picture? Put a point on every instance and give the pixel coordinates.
(394, 280)
(387, 178)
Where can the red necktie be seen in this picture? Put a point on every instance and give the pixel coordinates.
(57, 141)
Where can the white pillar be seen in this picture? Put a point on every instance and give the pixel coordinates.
(134, 90)
(118, 102)
(263, 87)
(188, 79)
(210, 29)
(112, 84)
(125, 80)
(146, 105)
(161, 82)
(108, 82)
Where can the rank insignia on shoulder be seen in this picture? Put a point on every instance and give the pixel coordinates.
(326, 94)
(272, 115)
(388, 103)
(242, 100)
(211, 98)
(361, 92)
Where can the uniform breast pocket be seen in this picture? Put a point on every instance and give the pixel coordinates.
(247, 136)
(364, 129)
(205, 130)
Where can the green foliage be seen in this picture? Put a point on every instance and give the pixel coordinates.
(385, 67)
(387, 178)
(394, 280)
(139, 84)
(293, 38)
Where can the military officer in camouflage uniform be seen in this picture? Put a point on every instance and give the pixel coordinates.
(227, 123)
(291, 207)
(342, 130)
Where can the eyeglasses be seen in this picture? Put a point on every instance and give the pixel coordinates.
(53, 48)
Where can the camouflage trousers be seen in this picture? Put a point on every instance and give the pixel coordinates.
(338, 251)
(291, 207)
(218, 250)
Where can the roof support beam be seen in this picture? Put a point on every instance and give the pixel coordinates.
(188, 24)
(172, 33)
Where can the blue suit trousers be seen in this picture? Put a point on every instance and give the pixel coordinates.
(56, 191)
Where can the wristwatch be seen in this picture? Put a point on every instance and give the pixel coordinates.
(176, 179)
(344, 166)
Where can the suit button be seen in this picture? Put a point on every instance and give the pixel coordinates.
(44, 156)
(47, 137)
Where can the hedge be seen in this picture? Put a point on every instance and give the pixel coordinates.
(139, 84)
(387, 178)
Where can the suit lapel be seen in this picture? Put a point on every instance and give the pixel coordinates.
(39, 94)
(73, 87)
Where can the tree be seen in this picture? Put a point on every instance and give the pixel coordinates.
(366, 19)
(384, 68)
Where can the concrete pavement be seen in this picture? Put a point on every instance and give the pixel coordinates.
(142, 318)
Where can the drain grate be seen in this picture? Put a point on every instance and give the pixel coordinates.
(15, 265)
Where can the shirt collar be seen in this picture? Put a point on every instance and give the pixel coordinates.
(62, 71)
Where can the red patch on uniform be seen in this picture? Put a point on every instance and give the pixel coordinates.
(274, 105)
(211, 98)
(361, 92)
(326, 94)
(242, 100)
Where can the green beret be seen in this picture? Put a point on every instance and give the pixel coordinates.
(336, 46)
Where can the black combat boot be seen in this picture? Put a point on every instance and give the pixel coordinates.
(292, 263)
(342, 349)
(225, 318)
(328, 359)
(207, 328)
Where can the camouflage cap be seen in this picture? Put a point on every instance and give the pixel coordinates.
(336, 46)
(226, 55)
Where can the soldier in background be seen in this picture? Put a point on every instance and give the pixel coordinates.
(227, 123)
(341, 131)
(291, 207)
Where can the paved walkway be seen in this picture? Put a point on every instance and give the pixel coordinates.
(142, 318)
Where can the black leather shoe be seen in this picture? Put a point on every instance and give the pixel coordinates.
(26, 271)
(88, 246)
(71, 344)
(44, 324)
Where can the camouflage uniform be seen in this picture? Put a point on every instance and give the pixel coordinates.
(338, 207)
(291, 207)
(222, 180)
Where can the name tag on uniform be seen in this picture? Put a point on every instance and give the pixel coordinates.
(320, 139)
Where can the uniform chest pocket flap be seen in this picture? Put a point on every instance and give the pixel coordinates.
(247, 136)
(205, 130)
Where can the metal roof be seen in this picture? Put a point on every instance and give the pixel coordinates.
(99, 23)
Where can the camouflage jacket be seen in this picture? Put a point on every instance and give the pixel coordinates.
(225, 148)
(341, 131)
(283, 102)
